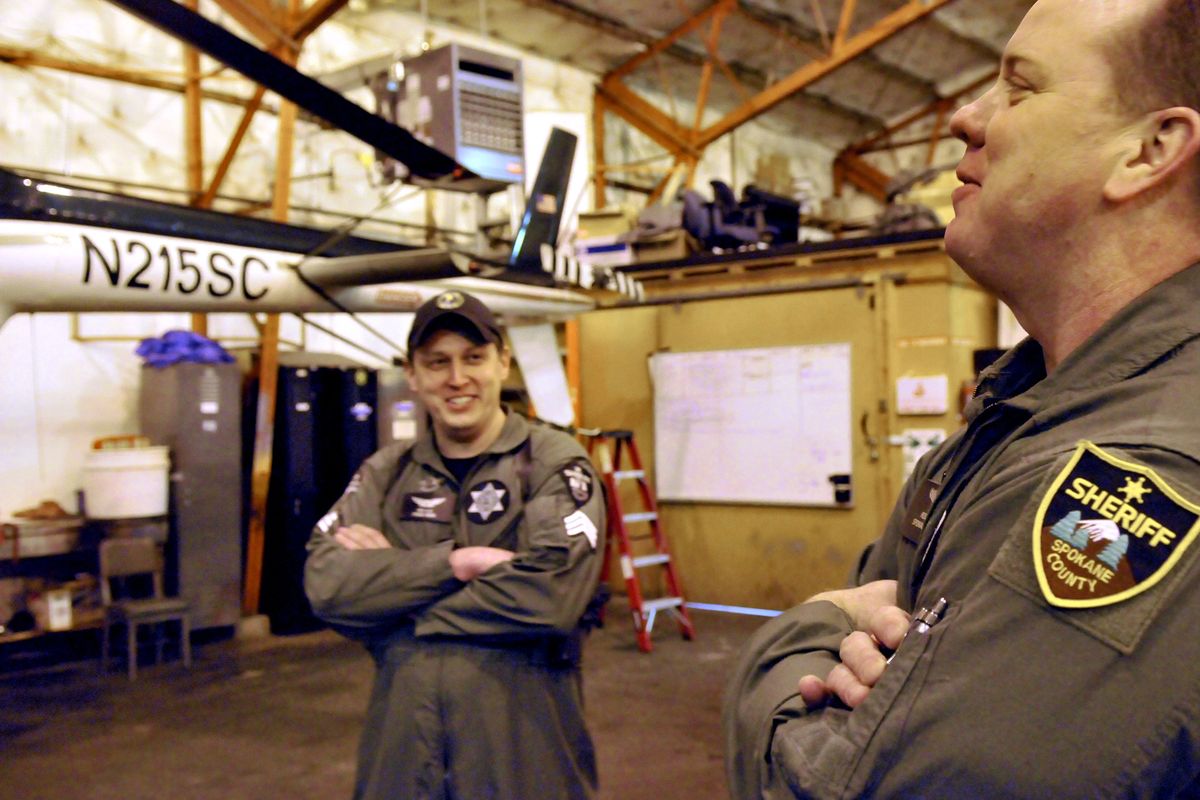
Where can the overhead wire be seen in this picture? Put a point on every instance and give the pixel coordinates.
(336, 235)
(343, 339)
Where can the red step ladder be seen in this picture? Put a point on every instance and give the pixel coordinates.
(607, 448)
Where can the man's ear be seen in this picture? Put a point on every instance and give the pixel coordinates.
(1162, 144)
(505, 359)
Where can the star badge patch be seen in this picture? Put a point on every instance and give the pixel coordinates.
(1108, 529)
(487, 499)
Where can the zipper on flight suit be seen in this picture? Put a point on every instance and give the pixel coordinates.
(972, 453)
(524, 466)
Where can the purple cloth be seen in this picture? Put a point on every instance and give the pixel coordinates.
(176, 346)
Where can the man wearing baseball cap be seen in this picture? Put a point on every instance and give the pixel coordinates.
(464, 562)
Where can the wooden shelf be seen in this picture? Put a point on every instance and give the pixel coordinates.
(88, 620)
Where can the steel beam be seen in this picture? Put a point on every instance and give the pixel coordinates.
(665, 132)
(869, 144)
(721, 6)
(29, 58)
(235, 142)
(600, 189)
(314, 16)
(424, 162)
(258, 20)
(893, 23)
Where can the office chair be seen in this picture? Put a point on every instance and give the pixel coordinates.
(697, 217)
(131, 587)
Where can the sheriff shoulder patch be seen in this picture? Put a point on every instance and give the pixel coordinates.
(578, 481)
(1107, 530)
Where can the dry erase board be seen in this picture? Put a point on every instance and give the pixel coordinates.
(766, 425)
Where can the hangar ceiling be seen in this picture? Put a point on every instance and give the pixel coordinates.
(761, 42)
(742, 50)
(845, 74)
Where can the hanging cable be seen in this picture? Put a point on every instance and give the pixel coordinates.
(336, 235)
(342, 339)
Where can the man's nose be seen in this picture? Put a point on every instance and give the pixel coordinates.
(458, 372)
(970, 122)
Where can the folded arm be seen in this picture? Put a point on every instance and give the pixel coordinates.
(545, 586)
(356, 580)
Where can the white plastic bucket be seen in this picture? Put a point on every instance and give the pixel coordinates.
(126, 482)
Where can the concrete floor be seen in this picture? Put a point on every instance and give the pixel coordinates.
(279, 717)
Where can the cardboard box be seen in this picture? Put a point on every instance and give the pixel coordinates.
(670, 246)
(27, 538)
(605, 222)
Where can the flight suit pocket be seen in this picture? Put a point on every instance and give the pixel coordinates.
(1103, 544)
(820, 755)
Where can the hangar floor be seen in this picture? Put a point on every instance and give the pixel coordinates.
(279, 718)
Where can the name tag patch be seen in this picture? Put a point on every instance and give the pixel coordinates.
(918, 510)
(1107, 530)
(428, 507)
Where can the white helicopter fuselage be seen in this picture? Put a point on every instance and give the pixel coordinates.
(54, 266)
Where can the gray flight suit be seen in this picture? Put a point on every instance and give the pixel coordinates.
(477, 691)
(1011, 695)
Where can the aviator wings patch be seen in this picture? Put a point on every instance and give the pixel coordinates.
(1108, 529)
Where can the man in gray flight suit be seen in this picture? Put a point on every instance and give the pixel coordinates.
(1026, 625)
(464, 562)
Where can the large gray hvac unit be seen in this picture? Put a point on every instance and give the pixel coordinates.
(463, 101)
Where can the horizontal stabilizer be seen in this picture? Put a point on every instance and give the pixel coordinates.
(368, 269)
(588, 276)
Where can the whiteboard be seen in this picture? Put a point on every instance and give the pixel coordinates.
(766, 425)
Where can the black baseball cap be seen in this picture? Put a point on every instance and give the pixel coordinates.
(457, 310)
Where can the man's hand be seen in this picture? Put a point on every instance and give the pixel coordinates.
(360, 537)
(878, 622)
(469, 562)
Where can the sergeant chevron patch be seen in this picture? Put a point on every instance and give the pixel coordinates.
(578, 523)
(1108, 529)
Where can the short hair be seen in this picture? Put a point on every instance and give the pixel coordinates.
(1160, 62)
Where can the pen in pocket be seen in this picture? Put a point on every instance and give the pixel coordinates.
(921, 622)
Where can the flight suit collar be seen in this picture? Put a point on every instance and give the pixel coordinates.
(512, 435)
(1013, 374)
(1143, 332)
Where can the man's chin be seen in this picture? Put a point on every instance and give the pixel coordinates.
(457, 430)
(957, 241)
